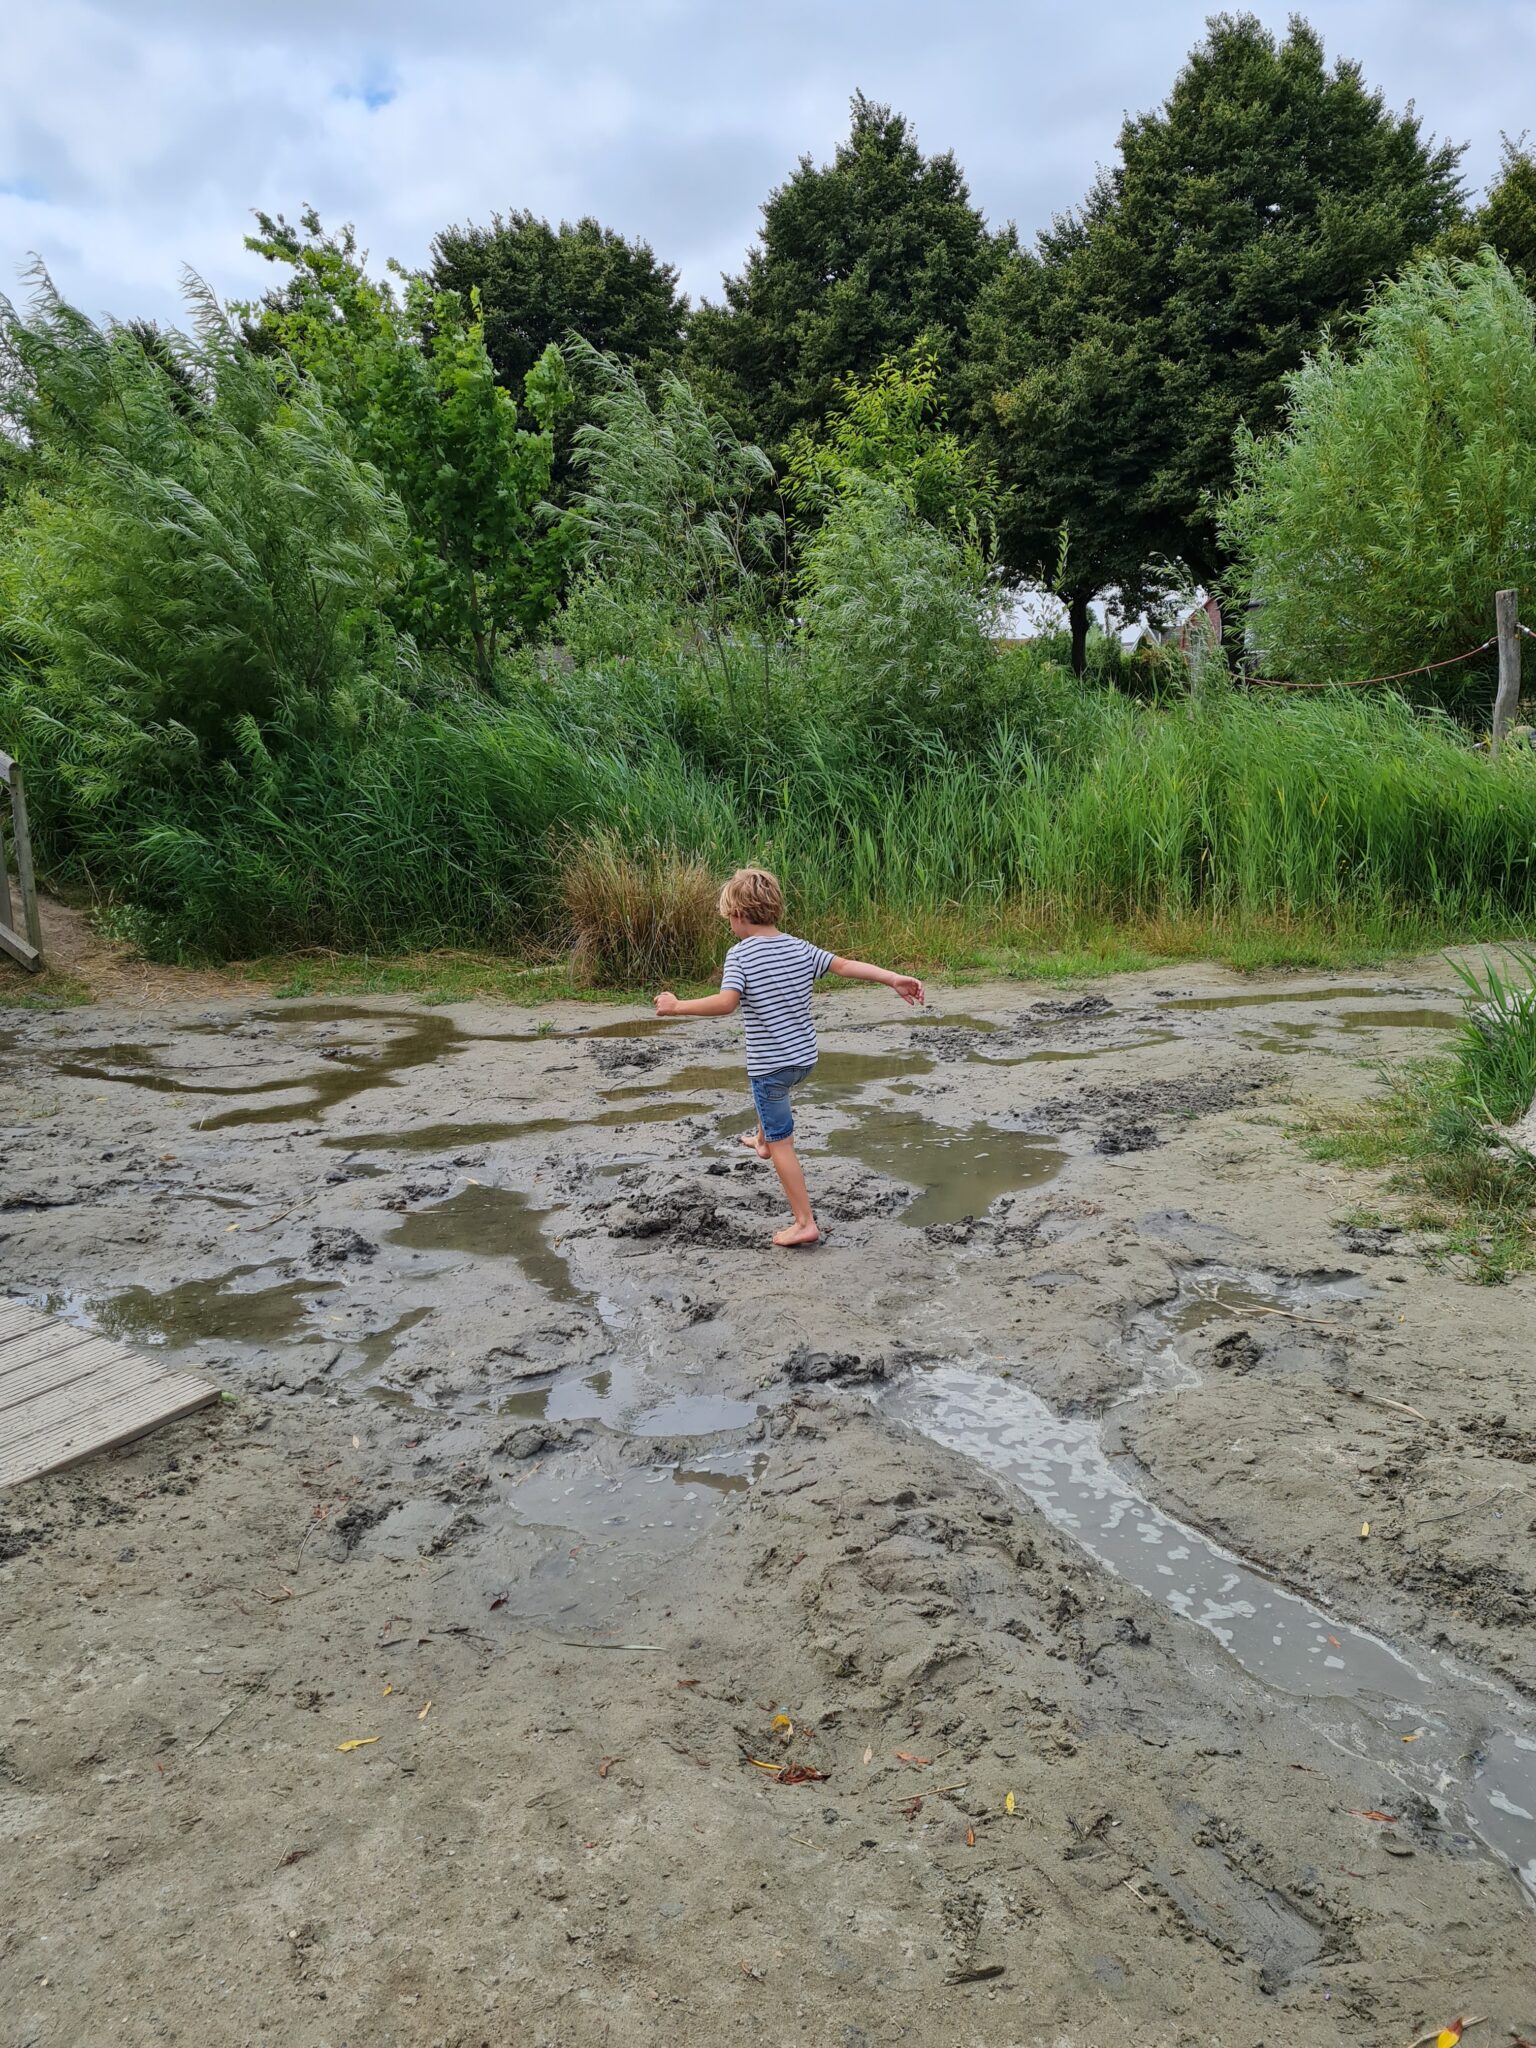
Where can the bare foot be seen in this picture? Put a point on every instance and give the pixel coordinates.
(798, 1237)
(755, 1143)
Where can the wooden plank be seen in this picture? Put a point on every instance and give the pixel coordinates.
(15, 1316)
(34, 1345)
(104, 1428)
(25, 955)
(7, 908)
(18, 1390)
(23, 851)
(121, 1375)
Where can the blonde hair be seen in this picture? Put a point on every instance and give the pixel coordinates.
(753, 895)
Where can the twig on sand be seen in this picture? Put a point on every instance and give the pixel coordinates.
(571, 1643)
(1428, 2040)
(251, 1690)
(1397, 1407)
(1254, 1308)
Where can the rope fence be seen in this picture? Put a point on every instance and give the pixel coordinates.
(1373, 682)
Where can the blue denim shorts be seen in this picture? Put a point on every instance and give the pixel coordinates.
(770, 1092)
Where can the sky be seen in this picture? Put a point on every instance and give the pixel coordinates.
(136, 136)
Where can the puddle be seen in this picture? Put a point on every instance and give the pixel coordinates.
(1083, 1052)
(623, 1400)
(374, 1351)
(200, 1310)
(1285, 1037)
(1212, 1297)
(1425, 1019)
(835, 1074)
(1359, 1691)
(413, 1039)
(1259, 999)
(960, 1172)
(459, 1137)
(492, 1223)
(621, 1517)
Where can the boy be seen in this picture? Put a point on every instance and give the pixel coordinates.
(768, 977)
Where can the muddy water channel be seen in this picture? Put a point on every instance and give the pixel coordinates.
(1444, 1737)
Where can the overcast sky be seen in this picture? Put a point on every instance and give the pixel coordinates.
(137, 135)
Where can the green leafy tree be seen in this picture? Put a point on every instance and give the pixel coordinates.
(891, 426)
(539, 284)
(1374, 528)
(410, 371)
(857, 260)
(1112, 366)
(190, 547)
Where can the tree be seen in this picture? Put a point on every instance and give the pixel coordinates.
(540, 284)
(1260, 204)
(1375, 526)
(1062, 393)
(1506, 220)
(856, 260)
(411, 374)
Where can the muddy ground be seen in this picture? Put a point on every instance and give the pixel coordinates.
(544, 1479)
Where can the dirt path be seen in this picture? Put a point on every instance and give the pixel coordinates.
(1028, 1512)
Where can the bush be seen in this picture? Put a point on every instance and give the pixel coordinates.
(897, 617)
(640, 915)
(1496, 1051)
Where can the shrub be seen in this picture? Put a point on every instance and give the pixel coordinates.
(1496, 1050)
(897, 617)
(1401, 493)
(640, 914)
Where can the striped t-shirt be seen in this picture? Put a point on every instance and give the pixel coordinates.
(772, 974)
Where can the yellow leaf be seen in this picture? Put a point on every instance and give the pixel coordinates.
(388, 1690)
(425, 1711)
(1365, 1528)
(1008, 1804)
(229, 1227)
(782, 1721)
(1414, 1736)
(357, 1742)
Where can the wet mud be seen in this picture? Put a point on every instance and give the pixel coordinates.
(1086, 1601)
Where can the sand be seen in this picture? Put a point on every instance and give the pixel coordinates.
(544, 1479)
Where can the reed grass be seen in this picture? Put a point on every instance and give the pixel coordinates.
(1269, 833)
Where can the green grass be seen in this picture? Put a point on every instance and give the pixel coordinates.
(50, 990)
(1079, 832)
(1474, 1201)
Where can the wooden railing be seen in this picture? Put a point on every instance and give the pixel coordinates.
(13, 815)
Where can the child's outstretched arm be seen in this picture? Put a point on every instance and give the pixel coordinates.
(729, 999)
(907, 986)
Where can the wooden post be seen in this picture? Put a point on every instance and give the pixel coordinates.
(23, 838)
(29, 951)
(1506, 613)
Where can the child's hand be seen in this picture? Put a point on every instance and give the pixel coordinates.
(666, 1004)
(909, 988)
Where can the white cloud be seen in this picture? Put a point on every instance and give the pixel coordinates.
(135, 138)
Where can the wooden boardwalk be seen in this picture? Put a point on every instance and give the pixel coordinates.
(65, 1393)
